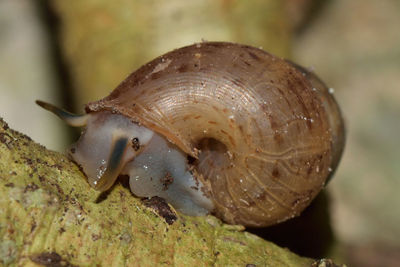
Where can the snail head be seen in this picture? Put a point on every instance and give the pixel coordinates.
(108, 142)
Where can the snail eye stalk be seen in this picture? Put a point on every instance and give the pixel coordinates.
(71, 119)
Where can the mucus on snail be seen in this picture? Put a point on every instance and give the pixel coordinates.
(217, 128)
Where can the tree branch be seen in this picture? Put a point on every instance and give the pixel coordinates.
(49, 216)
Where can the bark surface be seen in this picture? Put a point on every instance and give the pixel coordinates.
(50, 216)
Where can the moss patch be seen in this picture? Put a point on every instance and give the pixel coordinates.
(48, 211)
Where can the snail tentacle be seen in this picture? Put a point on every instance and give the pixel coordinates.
(114, 165)
(71, 119)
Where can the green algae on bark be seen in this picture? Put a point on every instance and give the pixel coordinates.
(49, 213)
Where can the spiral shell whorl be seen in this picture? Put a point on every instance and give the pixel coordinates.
(257, 131)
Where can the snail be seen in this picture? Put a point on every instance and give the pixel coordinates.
(218, 128)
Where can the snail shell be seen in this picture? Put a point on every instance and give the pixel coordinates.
(258, 135)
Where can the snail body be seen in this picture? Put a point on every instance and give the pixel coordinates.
(217, 128)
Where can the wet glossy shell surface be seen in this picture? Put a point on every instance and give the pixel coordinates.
(259, 133)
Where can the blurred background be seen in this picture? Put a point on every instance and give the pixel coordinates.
(71, 52)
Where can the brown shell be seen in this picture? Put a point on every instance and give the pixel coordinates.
(262, 133)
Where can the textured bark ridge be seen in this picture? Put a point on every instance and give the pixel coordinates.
(50, 216)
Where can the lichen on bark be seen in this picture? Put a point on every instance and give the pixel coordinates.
(49, 214)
